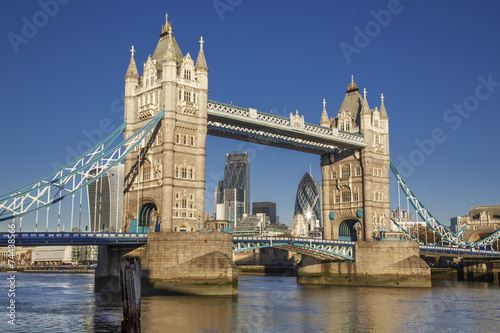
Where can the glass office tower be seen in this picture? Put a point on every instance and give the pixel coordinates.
(308, 201)
(236, 186)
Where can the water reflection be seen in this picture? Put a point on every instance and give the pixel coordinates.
(67, 303)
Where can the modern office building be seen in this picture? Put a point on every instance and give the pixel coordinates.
(234, 191)
(401, 215)
(105, 199)
(268, 208)
(308, 201)
(251, 225)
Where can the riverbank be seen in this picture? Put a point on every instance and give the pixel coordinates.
(47, 270)
(261, 270)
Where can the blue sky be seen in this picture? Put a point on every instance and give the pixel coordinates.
(61, 80)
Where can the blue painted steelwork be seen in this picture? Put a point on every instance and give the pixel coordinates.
(444, 232)
(408, 234)
(74, 238)
(62, 183)
(319, 248)
(459, 251)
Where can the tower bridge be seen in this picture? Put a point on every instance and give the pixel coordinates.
(167, 118)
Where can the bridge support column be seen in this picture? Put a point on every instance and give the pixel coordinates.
(192, 263)
(195, 263)
(107, 273)
(384, 264)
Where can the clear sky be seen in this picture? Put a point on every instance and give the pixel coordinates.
(436, 62)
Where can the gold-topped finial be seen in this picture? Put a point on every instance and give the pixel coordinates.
(167, 26)
(353, 86)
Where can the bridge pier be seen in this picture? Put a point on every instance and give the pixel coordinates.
(107, 272)
(380, 264)
(192, 263)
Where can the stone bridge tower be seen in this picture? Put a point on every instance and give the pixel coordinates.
(356, 183)
(165, 176)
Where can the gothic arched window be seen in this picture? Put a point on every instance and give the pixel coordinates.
(346, 195)
(146, 170)
(346, 171)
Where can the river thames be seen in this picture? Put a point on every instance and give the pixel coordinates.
(58, 302)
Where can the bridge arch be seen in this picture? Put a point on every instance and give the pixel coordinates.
(347, 230)
(146, 212)
(478, 235)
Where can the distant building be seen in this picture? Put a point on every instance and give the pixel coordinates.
(268, 208)
(216, 225)
(308, 202)
(251, 225)
(405, 220)
(84, 254)
(105, 199)
(23, 255)
(481, 222)
(233, 192)
(456, 224)
(52, 255)
(401, 215)
(276, 230)
(300, 228)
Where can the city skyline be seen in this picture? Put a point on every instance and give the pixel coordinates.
(64, 84)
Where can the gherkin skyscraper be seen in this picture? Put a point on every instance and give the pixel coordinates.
(308, 201)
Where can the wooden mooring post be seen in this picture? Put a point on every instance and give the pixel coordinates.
(130, 281)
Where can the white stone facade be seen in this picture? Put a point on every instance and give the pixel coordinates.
(171, 174)
(356, 183)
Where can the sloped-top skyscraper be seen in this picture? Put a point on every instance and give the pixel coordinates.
(235, 187)
(308, 201)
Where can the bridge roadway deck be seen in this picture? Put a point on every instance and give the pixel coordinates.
(241, 243)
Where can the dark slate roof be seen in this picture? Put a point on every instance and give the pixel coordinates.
(161, 48)
(492, 210)
(353, 102)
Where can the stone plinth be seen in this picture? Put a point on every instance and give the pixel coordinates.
(387, 264)
(192, 263)
(189, 263)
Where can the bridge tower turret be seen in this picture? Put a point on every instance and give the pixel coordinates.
(356, 183)
(165, 176)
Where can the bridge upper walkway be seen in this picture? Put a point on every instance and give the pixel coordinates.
(286, 132)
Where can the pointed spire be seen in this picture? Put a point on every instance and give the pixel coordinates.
(324, 116)
(132, 67)
(167, 27)
(201, 63)
(383, 112)
(365, 108)
(353, 86)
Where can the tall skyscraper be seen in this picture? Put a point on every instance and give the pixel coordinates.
(308, 201)
(105, 198)
(236, 186)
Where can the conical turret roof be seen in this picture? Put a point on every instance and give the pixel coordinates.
(201, 63)
(324, 116)
(162, 46)
(132, 67)
(383, 112)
